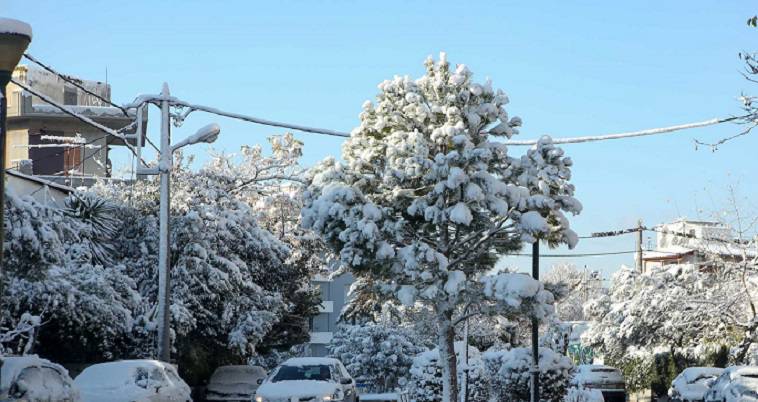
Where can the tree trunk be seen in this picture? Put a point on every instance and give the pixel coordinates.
(446, 345)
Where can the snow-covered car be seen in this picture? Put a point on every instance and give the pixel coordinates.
(692, 384)
(608, 380)
(30, 378)
(736, 383)
(132, 381)
(234, 383)
(308, 379)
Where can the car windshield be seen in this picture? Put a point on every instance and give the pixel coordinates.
(293, 373)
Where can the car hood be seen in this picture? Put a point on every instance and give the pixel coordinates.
(239, 388)
(300, 389)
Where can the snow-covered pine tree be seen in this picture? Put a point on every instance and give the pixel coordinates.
(426, 200)
(376, 354)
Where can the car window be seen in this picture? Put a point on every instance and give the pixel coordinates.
(157, 377)
(140, 377)
(312, 372)
(343, 371)
(41, 382)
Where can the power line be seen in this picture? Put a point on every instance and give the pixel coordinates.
(74, 83)
(75, 115)
(573, 255)
(630, 134)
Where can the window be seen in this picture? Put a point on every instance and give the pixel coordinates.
(69, 96)
(293, 373)
(72, 160)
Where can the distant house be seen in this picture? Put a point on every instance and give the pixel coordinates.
(60, 147)
(693, 242)
(334, 291)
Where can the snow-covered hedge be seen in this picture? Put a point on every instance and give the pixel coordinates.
(376, 354)
(509, 374)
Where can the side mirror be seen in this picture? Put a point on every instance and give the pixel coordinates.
(346, 381)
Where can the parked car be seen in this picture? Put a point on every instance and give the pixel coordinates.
(132, 381)
(234, 383)
(30, 378)
(608, 380)
(692, 384)
(736, 383)
(309, 379)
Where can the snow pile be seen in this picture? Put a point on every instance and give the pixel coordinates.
(510, 376)
(375, 354)
(518, 291)
(15, 27)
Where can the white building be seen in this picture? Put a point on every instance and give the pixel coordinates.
(334, 291)
(694, 242)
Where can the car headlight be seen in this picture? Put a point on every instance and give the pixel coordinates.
(337, 396)
(259, 399)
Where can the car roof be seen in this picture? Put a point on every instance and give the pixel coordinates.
(116, 370)
(310, 361)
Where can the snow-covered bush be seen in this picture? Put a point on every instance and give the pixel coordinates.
(426, 376)
(584, 395)
(426, 200)
(509, 374)
(376, 354)
(52, 271)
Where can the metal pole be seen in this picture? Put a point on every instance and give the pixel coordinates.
(535, 328)
(5, 77)
(164, 286)
(639, 246)
(464, 395)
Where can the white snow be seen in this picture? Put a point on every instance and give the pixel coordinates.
(38, 378)
(16, 27)
(131, 380)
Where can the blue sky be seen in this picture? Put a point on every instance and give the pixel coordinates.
(570, 68)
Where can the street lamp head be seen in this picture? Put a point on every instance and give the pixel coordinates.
(14, 39)
(207, 134)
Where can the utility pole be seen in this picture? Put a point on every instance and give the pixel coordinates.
(535, 328)
(15, 37)
(164, 285)
(464, 388)
(639, 246)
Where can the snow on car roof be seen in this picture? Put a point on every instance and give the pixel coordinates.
(238, 374)
(310, 361)
(747, 371)
(121, 370)
(12, 365)
(692, 374)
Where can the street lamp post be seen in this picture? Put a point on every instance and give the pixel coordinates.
(15, 37)
(206, 134)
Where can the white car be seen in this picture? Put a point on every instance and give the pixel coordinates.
(692, 384)
(608, 380)
(736, 383)
(132, 381)
(308, 379)
(30, 378)
(234, 383)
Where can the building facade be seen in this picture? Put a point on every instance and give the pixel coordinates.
(334, 293)
(53, 144)
(694, 242)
